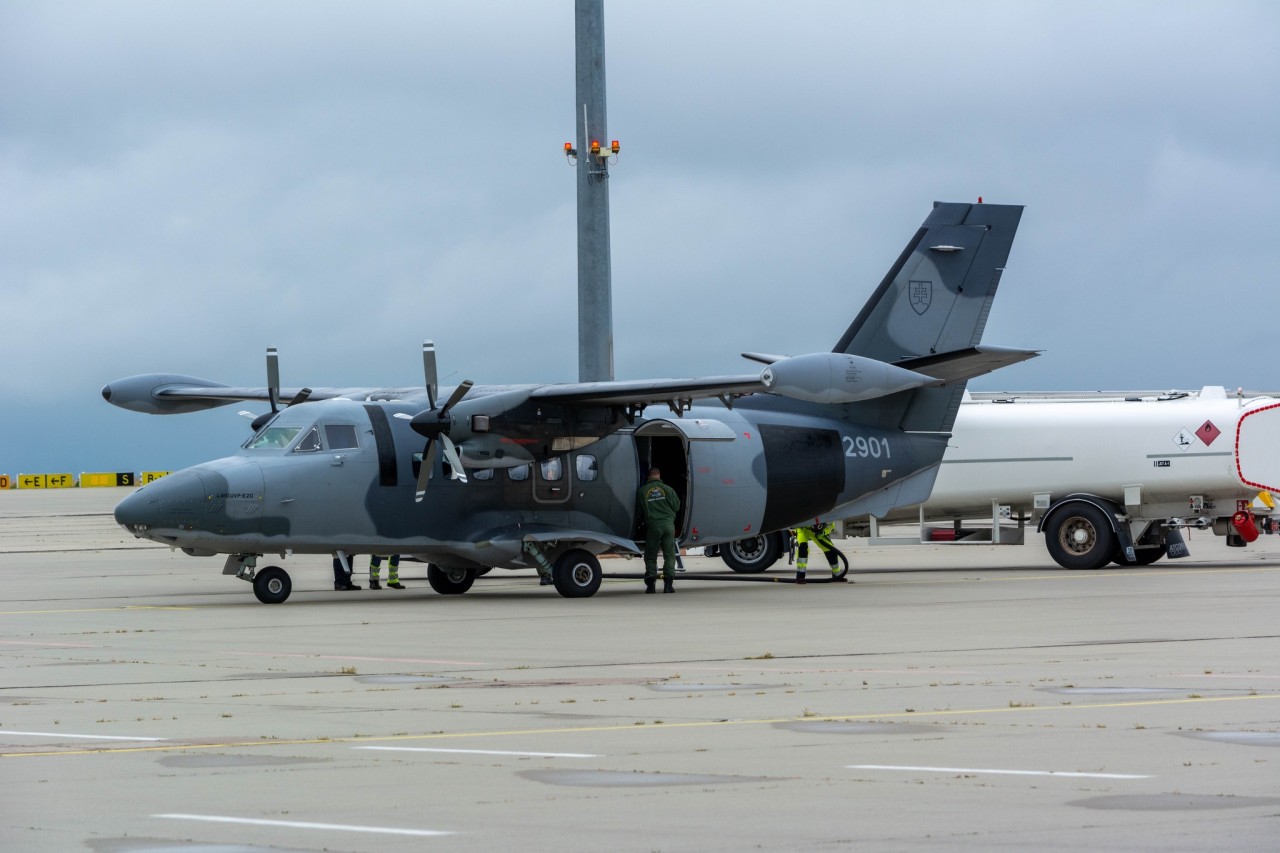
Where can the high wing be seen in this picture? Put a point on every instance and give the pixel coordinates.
(160, 393)
(644, 391)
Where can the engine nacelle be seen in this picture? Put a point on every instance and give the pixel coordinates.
(835, 377)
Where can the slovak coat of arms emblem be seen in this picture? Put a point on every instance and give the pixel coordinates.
(920, 293)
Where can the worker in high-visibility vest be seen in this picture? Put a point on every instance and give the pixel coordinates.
(819, 534)
(393, 571)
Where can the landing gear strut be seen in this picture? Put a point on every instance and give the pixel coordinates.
(271, 585)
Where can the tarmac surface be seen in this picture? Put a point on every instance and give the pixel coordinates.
(955, 697)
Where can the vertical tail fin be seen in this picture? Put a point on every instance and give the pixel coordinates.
(933, 303)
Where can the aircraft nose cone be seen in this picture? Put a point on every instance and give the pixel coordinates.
(168, 503)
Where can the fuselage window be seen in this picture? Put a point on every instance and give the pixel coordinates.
(586, 467)
(340, 436)
(310, 442)
(274, 437)
(552, 469)
(520, 473)
(482, 474)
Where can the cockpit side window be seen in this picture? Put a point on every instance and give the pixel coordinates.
(310, 442)
(273, 437)
(340, 436)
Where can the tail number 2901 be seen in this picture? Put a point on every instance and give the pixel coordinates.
(861, 447)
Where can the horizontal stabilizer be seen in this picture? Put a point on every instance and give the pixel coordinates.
(966, 363)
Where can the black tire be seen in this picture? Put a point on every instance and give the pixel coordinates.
(1079, 536)
(753, 554)
(577, 574)
(272, 585)
(1143, 556)
(450, 581)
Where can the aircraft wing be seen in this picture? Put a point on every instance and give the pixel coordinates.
(638, 391)
(174, 394)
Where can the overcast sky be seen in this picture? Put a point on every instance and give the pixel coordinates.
(186, 183)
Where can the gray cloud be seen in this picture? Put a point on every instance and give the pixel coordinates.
(188, 183)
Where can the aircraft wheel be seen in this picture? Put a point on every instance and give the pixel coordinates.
(752, 555)
(1144, 556)
(272, 585)
(577, 574)
(1080, 537)
(450, 581)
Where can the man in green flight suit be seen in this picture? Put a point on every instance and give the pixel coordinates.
(660, 504)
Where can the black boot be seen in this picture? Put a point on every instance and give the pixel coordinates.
(668, 585)
(648, 586)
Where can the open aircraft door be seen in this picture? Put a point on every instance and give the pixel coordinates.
(693, 455)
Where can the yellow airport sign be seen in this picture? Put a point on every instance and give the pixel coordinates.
(107, 479)
(151, 476)
(4, 482)
(46, 481)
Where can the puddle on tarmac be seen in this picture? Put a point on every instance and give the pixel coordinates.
(1244, 738)
(838, 727)
(141, 845)
(622, 779)
(1174, 802)
(224, 760)
(405, 679)
(1110, 691)
(687, 687)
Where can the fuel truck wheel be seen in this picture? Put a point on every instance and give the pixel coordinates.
(1079, 536)
(272, 585)
(450, 581)
(753, 554)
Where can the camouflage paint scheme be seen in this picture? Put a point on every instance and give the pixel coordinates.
(747, 454)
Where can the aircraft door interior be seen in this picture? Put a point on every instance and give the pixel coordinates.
(669, 455)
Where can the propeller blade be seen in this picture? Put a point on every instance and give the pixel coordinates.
(300, 397)
(458, 394)
(429, 371)
(424, 470)
(451, 456)
(273, 377)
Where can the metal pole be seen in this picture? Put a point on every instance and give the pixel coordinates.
(595, 298)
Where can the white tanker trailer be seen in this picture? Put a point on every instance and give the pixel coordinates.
(1108, 477)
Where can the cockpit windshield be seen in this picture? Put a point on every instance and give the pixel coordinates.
(274, 437)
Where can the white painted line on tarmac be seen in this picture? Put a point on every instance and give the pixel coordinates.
(298, 824)
(86, 737)
(481, 752)
(999, 772)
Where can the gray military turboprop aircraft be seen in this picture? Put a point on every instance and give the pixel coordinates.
(546, 476)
